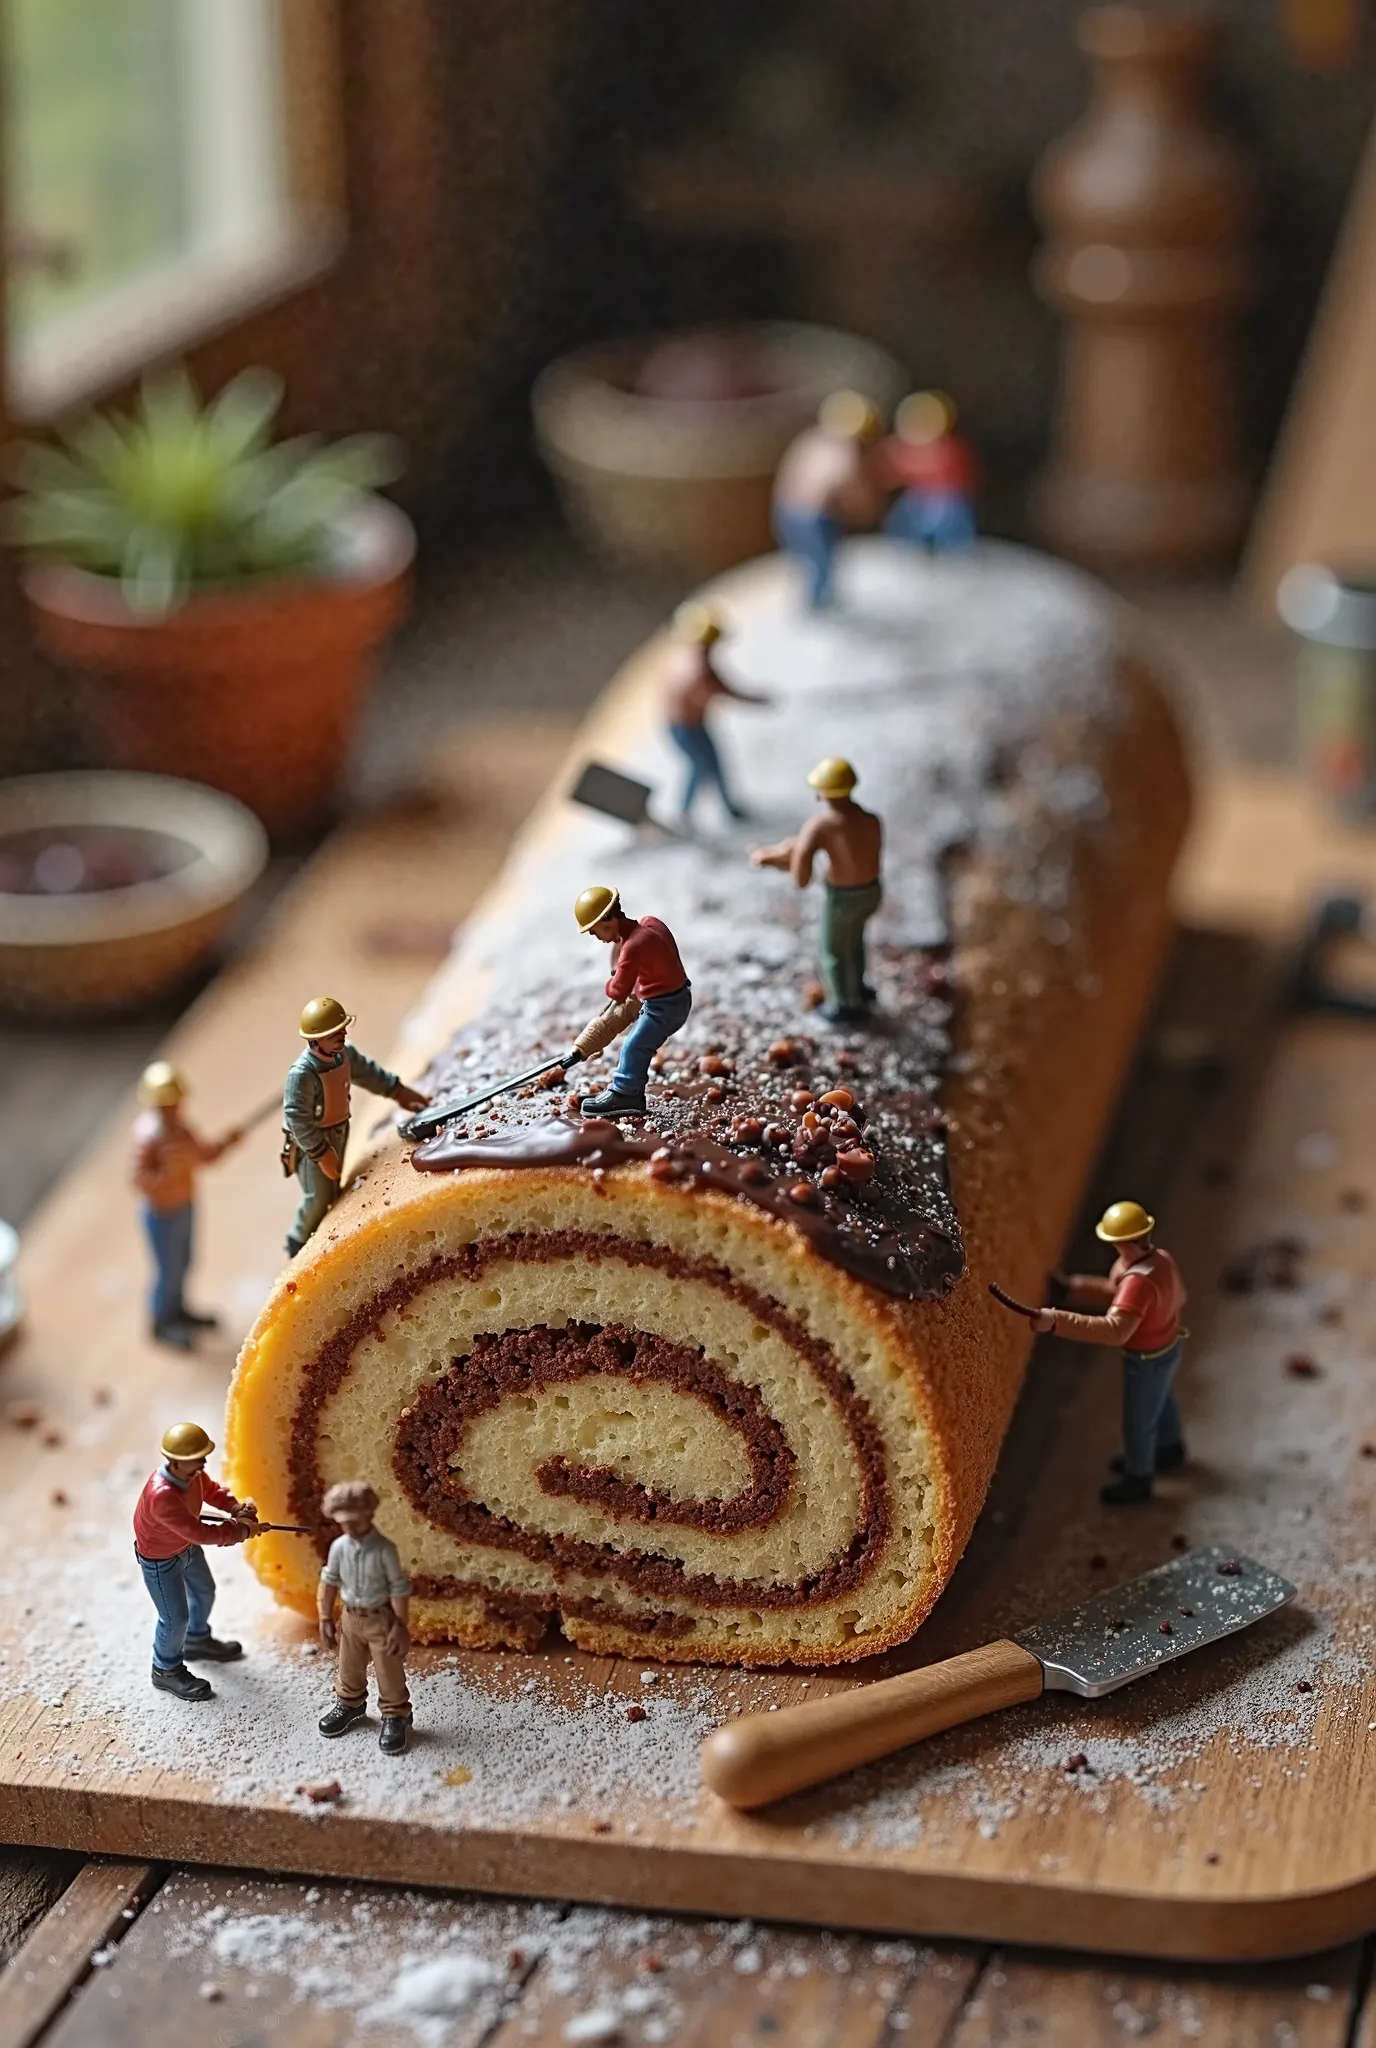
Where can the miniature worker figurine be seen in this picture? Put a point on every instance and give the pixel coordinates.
(646, 969)
(1141, 1296)
(169, 1542)
(167, 1157)
(852, 840)
(691, 685)
(363, 1573)
(316, 1105)
(825, 486)
(934, 469)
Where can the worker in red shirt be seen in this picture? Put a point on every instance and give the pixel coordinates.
(1141, 1297)
(647, 980)
(933, 469)
(169, 1540)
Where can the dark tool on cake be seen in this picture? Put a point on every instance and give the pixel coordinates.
(1019, 1308)
(591, 1040)
(431, 1120)
(1091, 1649)
(604, 789)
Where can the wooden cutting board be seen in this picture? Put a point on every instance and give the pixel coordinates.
(1224, 1809)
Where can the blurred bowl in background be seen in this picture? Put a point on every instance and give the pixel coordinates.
(664, 447)
(115, 889)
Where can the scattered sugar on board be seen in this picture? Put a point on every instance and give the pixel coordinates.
(414, 1968)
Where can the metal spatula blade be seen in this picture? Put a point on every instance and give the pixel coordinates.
(1117, 1636)
(1091, 1649)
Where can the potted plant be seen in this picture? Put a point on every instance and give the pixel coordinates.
(231, 593)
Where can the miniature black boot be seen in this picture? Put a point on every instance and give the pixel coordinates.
(176, 1335)
(612, 1103)
(841, 1013)
(195, 1322)
(1128, 1492)
(341, 1717)
(182, 1684)
(1169, 1458)
(394, 1733)
(210, 1649)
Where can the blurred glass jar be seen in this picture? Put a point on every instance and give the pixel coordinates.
(1333, 615)
(10, 1302)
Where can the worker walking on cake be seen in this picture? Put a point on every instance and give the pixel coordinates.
(692, 685)
(1141, 1298)
(169, 1543)
(167, 1156)
(852, 840)
(317, 1105)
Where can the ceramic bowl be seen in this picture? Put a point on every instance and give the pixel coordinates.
(72, 951)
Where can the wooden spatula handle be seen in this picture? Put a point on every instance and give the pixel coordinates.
(767, 1756)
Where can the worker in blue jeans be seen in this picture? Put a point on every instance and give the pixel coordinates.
(692, 684)
(825, 487)
(1140, 1300)
(646, 970)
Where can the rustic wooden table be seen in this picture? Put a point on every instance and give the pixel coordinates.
(103, 1952)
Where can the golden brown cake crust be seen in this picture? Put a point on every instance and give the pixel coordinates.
(1045, 1023)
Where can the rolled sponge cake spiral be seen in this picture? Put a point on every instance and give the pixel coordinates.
(732, 1388)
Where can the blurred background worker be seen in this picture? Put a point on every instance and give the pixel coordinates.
(692, 683)
(168, 1154)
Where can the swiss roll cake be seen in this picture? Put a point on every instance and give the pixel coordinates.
(726, 1383)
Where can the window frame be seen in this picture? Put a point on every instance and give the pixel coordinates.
(197, 297)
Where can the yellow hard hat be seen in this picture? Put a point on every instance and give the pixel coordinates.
(925, 416)
(833, 777)
(1121, 1222)
(186, 1440)
(697, 624)
(849, 414)
(596, 903)
(322, 1015)
(161, 1085)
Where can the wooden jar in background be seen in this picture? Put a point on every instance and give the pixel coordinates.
(1146, 209)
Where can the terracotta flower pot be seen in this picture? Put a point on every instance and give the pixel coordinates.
(253, 689)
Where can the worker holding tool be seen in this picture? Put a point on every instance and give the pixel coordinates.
(169, 1540)
(692, 684)
(316, 1106)
(647, 990)
(852, 839)
(167, 1155)
(1140, 1299)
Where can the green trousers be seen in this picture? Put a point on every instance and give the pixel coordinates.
(845, 913)
(318, 1192)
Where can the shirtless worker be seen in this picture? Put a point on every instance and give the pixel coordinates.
(825, 487)
(692, 684)
(1141, 1298)
(852, 840)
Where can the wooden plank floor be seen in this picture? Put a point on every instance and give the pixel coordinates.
(171, 1967)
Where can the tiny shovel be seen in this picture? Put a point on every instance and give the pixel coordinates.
(1091, 1649)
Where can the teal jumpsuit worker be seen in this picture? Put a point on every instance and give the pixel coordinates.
(315, 1112)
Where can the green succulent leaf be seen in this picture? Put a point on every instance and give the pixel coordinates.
(179, 493)
(154, 575)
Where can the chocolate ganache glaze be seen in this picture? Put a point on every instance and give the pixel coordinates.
(967, 721)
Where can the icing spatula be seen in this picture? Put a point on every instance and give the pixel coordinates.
(1091, 1649)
